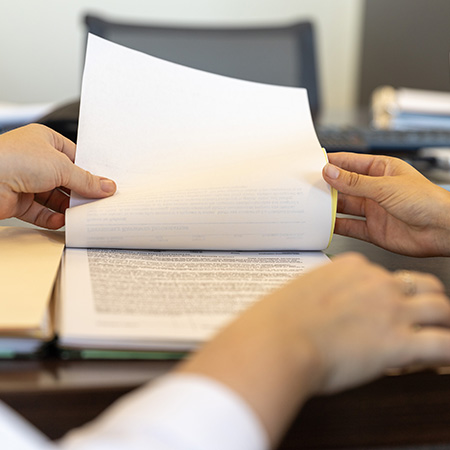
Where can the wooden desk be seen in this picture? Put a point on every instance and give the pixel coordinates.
(393, 411)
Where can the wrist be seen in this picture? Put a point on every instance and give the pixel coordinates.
(258, 357)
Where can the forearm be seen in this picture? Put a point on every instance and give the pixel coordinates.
(261, 358)
(253, 377)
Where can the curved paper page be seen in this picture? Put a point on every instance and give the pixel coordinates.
(202, 161)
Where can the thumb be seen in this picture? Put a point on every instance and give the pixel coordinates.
(351, 183)
(87, 185)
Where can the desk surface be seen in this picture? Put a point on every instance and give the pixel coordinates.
(393, 411)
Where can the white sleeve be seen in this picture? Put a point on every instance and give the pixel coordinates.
(17, 434)
(178, 412)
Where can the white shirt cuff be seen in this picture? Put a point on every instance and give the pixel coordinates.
(179, 411)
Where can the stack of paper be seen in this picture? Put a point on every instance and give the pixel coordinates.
(220, 194)
(14, 115)
(405, 109)
(219, 191)
(29, 263)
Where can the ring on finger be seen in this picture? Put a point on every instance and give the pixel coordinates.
(409, 286)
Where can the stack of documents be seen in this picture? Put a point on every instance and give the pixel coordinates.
(410, 109)
(14, 115)
(220, 201)
(29, 264)
(219, 192)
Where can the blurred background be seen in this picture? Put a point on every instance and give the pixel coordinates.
(42, 42)
(359, 46)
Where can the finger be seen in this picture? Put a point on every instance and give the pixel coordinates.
(351, 182)
(354, 162)
(77, 179)
(86, 184)
(43, 217)
(412, 283)
(355, 228)
(428, 309)
(429, 346)
(55, 200)
(349, 204)
(64, 145)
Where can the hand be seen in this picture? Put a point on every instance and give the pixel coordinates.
(363, 320)
(37, 173)
(333, 328)
(404, 212)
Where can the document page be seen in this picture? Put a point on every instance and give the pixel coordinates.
(201, 161)
(152, 300)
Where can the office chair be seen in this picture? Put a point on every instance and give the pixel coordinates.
(283, 55)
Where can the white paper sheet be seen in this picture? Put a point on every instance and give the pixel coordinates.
(194, 154)
(146, 300)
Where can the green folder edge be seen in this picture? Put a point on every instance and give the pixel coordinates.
(66, 354)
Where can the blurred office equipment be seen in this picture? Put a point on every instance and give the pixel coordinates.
(366, 139)
(405, 44)
(13, 115)
(410, 109)
(402, 120)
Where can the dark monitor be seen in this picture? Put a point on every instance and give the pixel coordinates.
(405, 43)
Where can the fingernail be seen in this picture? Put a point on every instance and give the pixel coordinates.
(107, 186)
(332, 171)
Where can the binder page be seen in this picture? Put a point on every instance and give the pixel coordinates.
(150, 300)
(201, 161)
(29, 263)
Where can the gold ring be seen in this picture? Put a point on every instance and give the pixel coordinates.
(408, 285)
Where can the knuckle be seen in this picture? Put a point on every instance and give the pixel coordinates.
(352, 179)
(91, 182)
(354, 259)
(64, 169)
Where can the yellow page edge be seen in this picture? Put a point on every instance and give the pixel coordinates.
(334, 196)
